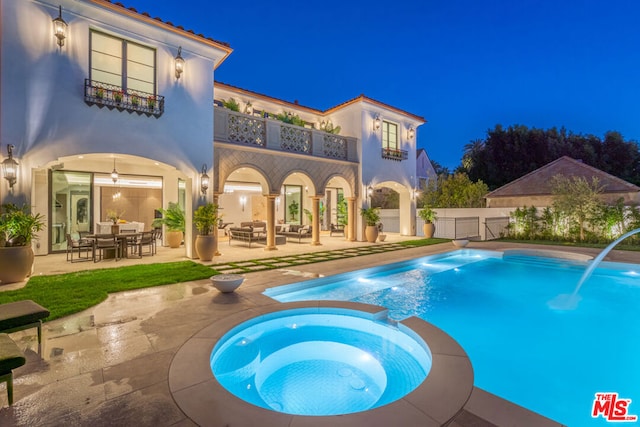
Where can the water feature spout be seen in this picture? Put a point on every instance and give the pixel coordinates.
(570, 301)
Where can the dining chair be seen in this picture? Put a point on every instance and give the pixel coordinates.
(146, 239)
(105, 242)
(79, 245)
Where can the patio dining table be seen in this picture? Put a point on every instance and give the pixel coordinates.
(123, 240)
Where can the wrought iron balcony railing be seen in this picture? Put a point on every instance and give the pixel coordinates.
(394, 154)
(110, 96)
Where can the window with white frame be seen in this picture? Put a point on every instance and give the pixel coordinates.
(389, 135)
(122, 63)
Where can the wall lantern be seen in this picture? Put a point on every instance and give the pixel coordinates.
(243, 202)
(376, 123)
(204, 180)
(114, 172)
(249, 108)
(10, 167)
(411, 133)
(179, 62)
(60, 28)
(370, 191)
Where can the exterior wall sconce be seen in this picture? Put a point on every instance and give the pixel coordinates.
(243, 202)
(249, 108)
(204, 179)
(369, 191)
(411, 133)
(10, 167)
(60, 28)
(114, 172)
(377, 123)
(179, 63)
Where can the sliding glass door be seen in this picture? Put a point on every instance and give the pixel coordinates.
(70, 208)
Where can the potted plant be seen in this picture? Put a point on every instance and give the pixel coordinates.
(99, 93)
(135, 100)
(381, 235)
(231, 104)
(428, 215)
(151, 102)
(293, 210)
(114, 216)
(173, 220)
(206, 219)
(18, 226)
(117, 96)
(371, 216)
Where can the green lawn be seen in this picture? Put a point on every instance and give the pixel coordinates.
(64, 294)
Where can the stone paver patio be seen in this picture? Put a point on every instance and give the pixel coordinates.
(109, 365)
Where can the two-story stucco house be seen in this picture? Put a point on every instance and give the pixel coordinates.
(109, 110)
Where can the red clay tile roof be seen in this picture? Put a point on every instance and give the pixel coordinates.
(145, 17)
(538, 182)
(363, 97)
(295, 104)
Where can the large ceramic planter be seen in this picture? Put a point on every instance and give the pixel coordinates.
(15, 263)
(174, 238)
(371, 233)
(206, 247)
(428, 229)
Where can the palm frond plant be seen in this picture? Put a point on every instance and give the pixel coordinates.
(172, 218)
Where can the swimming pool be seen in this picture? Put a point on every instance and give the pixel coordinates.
(550, 361)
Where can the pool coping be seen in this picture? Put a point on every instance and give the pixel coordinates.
(436, 401)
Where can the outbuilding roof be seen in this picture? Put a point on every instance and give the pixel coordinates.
(538, 182)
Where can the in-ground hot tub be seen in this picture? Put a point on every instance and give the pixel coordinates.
(356, 374)
(335, 362)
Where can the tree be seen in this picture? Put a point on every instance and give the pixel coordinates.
(454, 191)
(577, 198)
(507, 154)
(440, 170)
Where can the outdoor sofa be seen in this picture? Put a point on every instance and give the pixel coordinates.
(294, 231)
(249, 232)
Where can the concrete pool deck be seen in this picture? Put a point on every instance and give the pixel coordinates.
(109, 365)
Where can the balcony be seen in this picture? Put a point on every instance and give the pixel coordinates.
(244, 129)
(395, 154)
(110, 96)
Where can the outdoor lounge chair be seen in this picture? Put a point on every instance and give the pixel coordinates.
(10, 358)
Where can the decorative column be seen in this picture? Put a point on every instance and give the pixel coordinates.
(351, 219)
(315, 227)
(271, 222)
(216, 252)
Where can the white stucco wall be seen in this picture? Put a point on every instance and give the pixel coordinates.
(43, 112)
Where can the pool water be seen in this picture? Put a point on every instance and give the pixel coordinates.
(548, 360)
(308, 363)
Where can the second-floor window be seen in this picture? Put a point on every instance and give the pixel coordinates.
(389, 135)
(122, 63)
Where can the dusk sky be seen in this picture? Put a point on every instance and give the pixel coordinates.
(463, 65)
